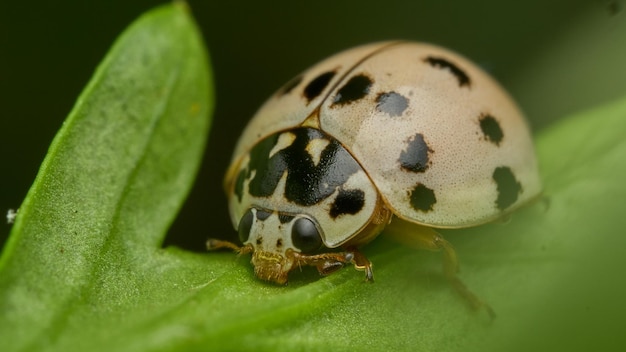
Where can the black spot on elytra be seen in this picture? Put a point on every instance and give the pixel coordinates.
(317, 85)
(287, 88)
(392, 103)
(442, 63)
(356, 88)
(422, 198)
(491, 129)
(279, 243)
(416, 155)
(508, 187)
(307, 183)
(348, 202)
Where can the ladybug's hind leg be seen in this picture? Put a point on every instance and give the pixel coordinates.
(422, 237)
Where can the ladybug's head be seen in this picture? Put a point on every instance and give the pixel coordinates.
(280, 242)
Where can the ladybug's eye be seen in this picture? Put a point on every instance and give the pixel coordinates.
(305, 236)
(245, 225)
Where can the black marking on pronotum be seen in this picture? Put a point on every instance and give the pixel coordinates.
(391, 103)
(415, 157)
(317, 85)
(241, 177)
(423, 198)
(284, 218)
(287, 88)
(307, 183)
(347, 202)
(441, 63)
(491, 129)
(509, 187)
(356, 88)
(261, 215)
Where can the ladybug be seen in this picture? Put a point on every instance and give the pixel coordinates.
(404, 134)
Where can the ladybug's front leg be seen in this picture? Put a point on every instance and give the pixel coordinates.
(213, 244)
(362, 263)
(328, 263)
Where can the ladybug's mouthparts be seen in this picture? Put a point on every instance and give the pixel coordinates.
(270, 266)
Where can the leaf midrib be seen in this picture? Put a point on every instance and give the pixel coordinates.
(58, 325)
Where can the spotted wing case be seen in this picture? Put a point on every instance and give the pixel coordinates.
(442, 141)
(298, 98)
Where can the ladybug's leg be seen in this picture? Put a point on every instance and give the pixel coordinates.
(362, 263)
(213, 244)
(451, 268)
(328, 263)
(422, 237)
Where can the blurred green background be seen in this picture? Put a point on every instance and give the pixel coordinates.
(556, 58)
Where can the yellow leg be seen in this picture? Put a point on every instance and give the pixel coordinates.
(362, 263)
(327, 263)
(422, 237)
(213, 244)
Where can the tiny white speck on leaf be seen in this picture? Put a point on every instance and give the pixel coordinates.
(11, 215)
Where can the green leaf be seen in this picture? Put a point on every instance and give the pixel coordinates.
(84, 270)
(85, 246)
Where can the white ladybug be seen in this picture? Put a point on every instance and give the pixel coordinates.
(395, 132)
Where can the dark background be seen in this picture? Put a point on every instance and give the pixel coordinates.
(48, 51)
